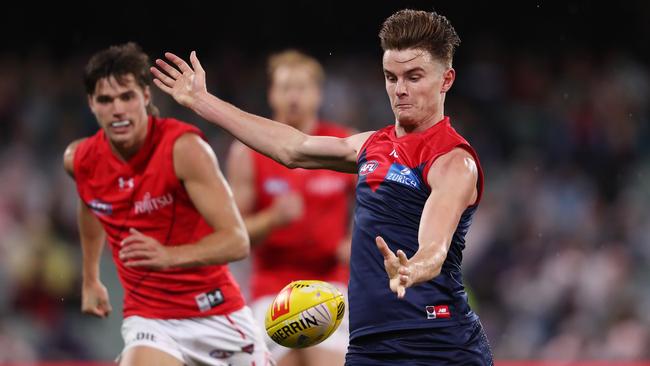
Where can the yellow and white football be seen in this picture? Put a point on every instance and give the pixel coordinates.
(304, 313)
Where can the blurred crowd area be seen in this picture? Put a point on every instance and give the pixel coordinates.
(558, 257)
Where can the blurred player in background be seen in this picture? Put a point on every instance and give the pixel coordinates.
(419, 186)
(153, 188)
(298, 220)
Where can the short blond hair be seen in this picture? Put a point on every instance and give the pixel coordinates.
(293, 58)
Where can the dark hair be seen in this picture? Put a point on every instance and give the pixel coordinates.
(119, 61)
(420, 29)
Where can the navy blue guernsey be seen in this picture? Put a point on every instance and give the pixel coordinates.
(391, 192)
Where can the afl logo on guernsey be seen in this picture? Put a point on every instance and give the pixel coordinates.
(368, 167)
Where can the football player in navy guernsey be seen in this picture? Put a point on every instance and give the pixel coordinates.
(419, 184)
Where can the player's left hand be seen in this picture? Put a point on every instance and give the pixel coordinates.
(397, 268)
(139, 250)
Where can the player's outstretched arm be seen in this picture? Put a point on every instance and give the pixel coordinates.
(453, 179)
(284, 144)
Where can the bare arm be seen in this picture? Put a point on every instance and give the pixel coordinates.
(91, 233)
(345, 246)
(94, 295)
(453, 179)
(92, 242)
(241, 176)
(94, 299)
(196, 166)
(282, 143)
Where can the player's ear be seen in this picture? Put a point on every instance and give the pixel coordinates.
(146, 92)
(91, 103)
(448, 77)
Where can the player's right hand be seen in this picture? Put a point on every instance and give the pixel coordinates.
(397, 268)
(94, 300)
(287, 208)
(182, 82)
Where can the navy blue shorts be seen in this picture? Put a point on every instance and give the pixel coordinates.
(464, 344)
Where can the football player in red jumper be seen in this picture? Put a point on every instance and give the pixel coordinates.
(151, 187)
(298, 219)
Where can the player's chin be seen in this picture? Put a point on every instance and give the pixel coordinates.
(405, 118)
(119, 138)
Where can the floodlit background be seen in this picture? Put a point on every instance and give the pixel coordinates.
(554, 97)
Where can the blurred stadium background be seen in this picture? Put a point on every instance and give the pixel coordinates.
(554, 96)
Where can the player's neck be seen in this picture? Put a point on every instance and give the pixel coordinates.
(402, 130)
(125, 150)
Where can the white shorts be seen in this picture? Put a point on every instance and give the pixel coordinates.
(338, 341)
(218, 340)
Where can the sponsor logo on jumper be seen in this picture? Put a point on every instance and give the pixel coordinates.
(307, 321)
(438, 312)
(276, 186)
(394, 154)
(403, 175)
(100, 207)
(208, 300)
(368, 167)
(325, 185)
(125, 184)
(149, 204)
